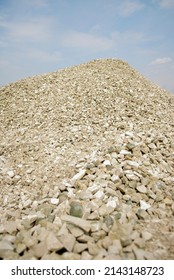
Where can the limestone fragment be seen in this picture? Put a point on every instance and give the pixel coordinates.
(11, 227)
(144, 205)
(81, 223)
(52, 242)
(5, 245)
(54, 201)
(146, 235)
(79, 175)
(67, 241)
(142, 189)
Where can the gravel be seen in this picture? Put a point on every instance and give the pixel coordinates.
(87, 165)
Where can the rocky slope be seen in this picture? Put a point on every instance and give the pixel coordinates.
(87, 165)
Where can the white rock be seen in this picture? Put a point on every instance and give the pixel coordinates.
(5, 199)
(113, 202)
(95, 226)
(27, 203)
(125, 152)
(79, 175)
(5, 245)
(107, 162)
(10, 173)
(99, 194)
(129, 133)
(144, 205)
(54, 201)
(81, 223)
(132, 177)
(70, 192)
(93, 188)
(85, 194)
(114, 178)
(92, 205)
(142, 189)
(133, 163)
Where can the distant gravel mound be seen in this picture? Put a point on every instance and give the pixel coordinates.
(87, 165)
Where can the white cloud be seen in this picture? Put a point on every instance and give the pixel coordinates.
(44, 56)
(128, 7)
(87, 41)
(128, 37)
(162, 60)
(167, 4)
(31, 30)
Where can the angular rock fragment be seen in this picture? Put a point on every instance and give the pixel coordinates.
(144, 205)
(79, 175)
(81, 223)
(76, 209)
(52, 242)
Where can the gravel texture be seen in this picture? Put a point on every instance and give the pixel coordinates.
(87, 165)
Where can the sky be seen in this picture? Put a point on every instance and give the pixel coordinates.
(41, 36)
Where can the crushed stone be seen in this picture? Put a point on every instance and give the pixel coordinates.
(87, 165)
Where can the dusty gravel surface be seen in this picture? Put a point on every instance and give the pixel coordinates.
(87, 165)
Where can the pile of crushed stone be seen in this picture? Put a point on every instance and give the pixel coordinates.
(87, 165)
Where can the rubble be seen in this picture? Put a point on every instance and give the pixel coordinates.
(87, 165)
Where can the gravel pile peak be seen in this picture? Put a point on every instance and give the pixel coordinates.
(87, 165)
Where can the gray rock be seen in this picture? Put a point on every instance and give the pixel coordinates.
(76, 209)
(141, 214)
(108, 220)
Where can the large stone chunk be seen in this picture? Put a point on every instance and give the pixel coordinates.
(81, 223)
(52, 242)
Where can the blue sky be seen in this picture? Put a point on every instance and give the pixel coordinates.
(40, 36)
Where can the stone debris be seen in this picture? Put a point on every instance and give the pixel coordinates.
(54, 201)
(81, 223)
(87, 166)
(144, 205)
(76, 209)
(78, 176)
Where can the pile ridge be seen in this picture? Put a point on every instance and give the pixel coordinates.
(87, 165)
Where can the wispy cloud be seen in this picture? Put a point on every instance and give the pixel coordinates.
(167, 4)
(129, 7)
(86, 41)
(128, 37)
(35, 29)
(45, 56)
(162, 60)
